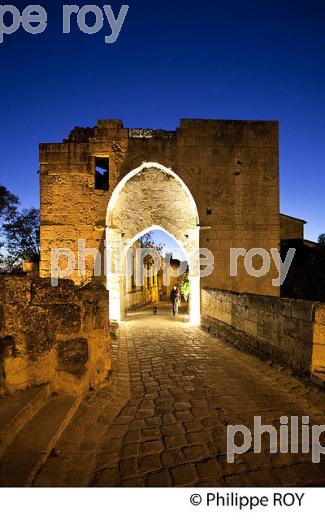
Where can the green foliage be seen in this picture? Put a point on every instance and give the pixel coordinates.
(8, 204)
(8, 208)
(185, 287)
(22, 237)
(19, 232)
(321, 239)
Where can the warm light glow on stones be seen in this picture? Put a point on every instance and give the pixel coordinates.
(159, 199)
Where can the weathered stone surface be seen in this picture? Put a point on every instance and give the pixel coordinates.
(2, 320)
(53, 337)
(8, 347)
(67, 318)
(216, 160)
(320, 314)
(14, 290)
(39, 330)
(43, 322)
(286, 331)
(183, 475)
(42, 291)
(73, 356)
(291, 228)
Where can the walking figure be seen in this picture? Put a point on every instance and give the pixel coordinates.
(174, 298)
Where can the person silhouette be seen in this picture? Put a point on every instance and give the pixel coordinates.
(174, 298)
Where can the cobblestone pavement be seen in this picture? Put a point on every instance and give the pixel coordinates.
(163, 421)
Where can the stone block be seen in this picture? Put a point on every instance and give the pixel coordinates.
(302, 359)
(302, 310)
(289, 326)
(66, 317)
(16, 372)
(2, 320)
(318, 358)
(39, 330)
(319, 315)
(43, 293)
(14, 290)
(319, 333)
(285, 308)
(305, 332)
(7, 347)
(72, 356)
(250, 327)
(288, 344)
(237, 318)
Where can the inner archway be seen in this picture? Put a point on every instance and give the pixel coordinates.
(155, 264)
(150, 197)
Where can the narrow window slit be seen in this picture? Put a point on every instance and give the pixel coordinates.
(101, 173)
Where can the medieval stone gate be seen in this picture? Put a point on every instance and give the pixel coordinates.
(210, 184)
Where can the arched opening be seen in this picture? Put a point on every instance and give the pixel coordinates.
(165, 263)
(150, 197)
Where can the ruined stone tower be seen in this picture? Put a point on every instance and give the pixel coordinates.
(229, 170)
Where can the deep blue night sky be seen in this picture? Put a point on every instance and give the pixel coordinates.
(230, 59)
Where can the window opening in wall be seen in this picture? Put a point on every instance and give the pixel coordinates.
(101, 173)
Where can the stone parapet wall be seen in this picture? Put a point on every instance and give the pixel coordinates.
(291, 332)
(57, 335)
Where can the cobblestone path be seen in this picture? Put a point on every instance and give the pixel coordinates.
(163, 421)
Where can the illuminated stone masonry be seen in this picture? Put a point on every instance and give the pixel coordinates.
(210, 184)
(290, 332)
(53, 335)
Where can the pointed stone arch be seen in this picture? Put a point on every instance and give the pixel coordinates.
(150, 196)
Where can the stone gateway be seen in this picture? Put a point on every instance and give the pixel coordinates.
(210, 184)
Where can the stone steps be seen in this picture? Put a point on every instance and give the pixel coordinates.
(33, 444)
(17, 409)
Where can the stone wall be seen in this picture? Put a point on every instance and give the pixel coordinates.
(57, 335)
(291, 228)
(230, 168)
(291, 332)
(136, 298)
